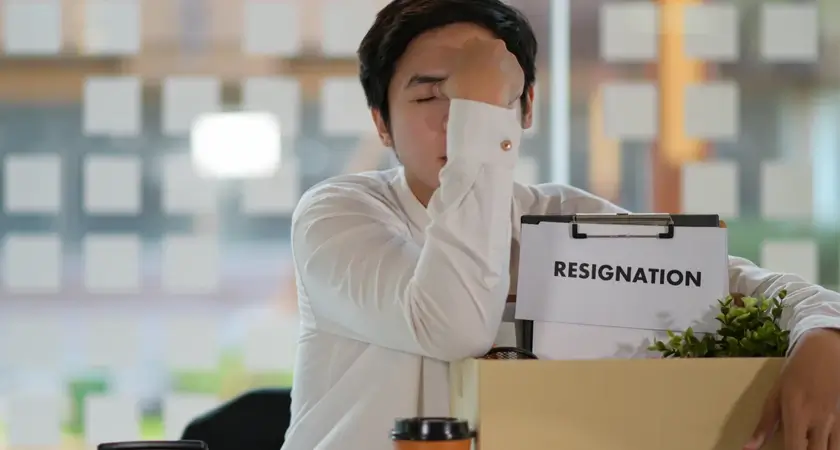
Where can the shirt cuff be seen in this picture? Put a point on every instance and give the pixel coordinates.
(480, 133)
(812, 323)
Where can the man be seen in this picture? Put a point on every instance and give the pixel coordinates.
(402, 271)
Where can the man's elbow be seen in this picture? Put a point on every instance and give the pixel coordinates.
(460, 331)
(461, 344)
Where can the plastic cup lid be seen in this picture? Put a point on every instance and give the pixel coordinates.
(153, 445)
(431, 429)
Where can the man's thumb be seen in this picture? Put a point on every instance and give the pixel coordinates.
(771, 415)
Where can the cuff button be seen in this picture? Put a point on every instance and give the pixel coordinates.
(506, 145)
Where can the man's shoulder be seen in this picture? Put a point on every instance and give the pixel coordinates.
(349, 191)
(557, 198)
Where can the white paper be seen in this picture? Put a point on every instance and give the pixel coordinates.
(578, 318)
(555, 341)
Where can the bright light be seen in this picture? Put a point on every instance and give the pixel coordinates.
(236, 145)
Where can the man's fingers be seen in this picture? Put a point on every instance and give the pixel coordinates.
(834, 438)
(771, 415)
(796, 422)
(820, 433)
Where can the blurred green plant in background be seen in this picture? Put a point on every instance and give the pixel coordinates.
(229, 381)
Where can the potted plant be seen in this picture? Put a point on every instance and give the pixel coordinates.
(749, 328)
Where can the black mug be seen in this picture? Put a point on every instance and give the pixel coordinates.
(153, 445)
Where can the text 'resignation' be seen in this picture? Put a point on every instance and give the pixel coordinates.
(627, 274)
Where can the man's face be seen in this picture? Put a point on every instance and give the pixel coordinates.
(418, 119)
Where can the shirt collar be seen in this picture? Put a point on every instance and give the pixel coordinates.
(416, 212)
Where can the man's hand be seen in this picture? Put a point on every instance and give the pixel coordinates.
(484, 71)
(804, 402)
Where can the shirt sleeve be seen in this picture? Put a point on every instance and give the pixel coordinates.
(367, 281)
(808, 306)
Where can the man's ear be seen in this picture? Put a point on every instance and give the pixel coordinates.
(528, 110)
(381, 128)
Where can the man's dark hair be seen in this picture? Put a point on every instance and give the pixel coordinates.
(401, 21)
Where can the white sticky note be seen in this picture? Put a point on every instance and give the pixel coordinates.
(790, 32)
(113, 342)
(32, 27)
(344, 110)
(34, 421)
(184, 191)
(181, 409)
(272, 28)
(32, 263)
(111, 418)
(112, 27)
(33, 344)
(710, 187)
(112, 106)
(794, 257)
(631, 110)
(280, 96)
(192, 343)
(186, 98)
(787, 190)
(235, 145)
(712, 111)
(190, 264)
(527, 170)
(32, 184)
(629, 31)
(112, 263)
(112, 185)
(271, 345)
(711, 32)
(276, 195)
(344, 24)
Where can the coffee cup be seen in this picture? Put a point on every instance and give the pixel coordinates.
(432, 433)
(153, 445)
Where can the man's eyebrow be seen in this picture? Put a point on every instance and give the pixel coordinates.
(423, 79)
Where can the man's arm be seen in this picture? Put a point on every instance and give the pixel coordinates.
(809, 306)
(366, 281)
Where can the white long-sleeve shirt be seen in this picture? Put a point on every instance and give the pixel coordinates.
(390, 291)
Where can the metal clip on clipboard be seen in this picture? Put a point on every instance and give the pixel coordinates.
(663, 220)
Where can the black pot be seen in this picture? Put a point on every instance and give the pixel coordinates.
(153, 445)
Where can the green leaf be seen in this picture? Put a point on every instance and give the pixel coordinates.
(702, 349)
(749, 331)
(689, 336)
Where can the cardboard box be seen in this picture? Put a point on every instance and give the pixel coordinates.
(652, 404)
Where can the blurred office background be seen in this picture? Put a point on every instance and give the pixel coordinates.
(139, 289)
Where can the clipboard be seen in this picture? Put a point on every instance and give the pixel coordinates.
(670, 224)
